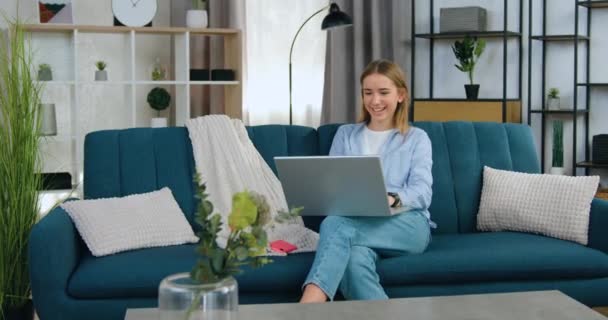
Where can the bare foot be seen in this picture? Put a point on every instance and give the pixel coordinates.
(313, 294)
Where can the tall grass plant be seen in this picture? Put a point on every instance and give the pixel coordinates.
(19, 163)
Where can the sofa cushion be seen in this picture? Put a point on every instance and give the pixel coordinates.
(496, 256)
(112, 225)
(552, 205)
(137, 274)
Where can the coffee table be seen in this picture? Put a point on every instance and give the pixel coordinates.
(533, 305)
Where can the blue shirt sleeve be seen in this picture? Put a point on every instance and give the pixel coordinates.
(417, 191)
(338, 145)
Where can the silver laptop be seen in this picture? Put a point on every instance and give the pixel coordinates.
(335, 185)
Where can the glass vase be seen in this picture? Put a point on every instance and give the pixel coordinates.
(180, 297)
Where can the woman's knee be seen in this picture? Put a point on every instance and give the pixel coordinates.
(332, 223)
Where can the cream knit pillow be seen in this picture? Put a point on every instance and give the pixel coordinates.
(112, 225)
(551, 205)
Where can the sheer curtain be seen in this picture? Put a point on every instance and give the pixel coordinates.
(271, 26)
(381, 29)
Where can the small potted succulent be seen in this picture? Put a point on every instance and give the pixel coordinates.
(101, 74)
(44, 72)
(159, 72)
(468, 52)
(197, 17)
(553, 99)
(159, 99)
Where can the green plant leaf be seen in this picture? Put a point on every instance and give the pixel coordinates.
(244, 212)
(241, 253)
(20, 161)
(481, 45)
(217, 260)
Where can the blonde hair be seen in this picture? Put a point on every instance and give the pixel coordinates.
(392, 71)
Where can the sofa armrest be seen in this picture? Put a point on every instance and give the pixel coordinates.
(54, 252)
(598, 225)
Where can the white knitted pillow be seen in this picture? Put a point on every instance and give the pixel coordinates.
(551, 205)
(112, 225)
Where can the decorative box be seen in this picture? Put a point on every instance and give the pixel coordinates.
(222, 75)
(199, 75)
(462, 19)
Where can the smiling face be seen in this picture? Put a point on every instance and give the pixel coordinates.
(380, 99)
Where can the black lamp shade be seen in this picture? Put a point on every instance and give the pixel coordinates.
(336, 18)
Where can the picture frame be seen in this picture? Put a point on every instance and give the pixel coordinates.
(55, 11)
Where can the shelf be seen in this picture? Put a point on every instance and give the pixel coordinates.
(562, 111)
(467, 110)
(151, 82)
(590, 165)
(113, 29)
(592, 84)
(560, 37)
(593, 4)
(460, 99)
(164, 82)
(211, 83)
(104, 83)
(55, 83)
(458, 35)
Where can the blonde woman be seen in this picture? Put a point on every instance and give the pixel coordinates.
(350, 246)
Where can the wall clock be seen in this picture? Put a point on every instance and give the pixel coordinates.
(134, 13)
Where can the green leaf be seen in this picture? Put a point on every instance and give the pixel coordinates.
(248, 239)
(481, 45)
(241, 253)
(207, 206)
(244, 212)
(217, 260)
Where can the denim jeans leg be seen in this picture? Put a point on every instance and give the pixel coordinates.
(361, 281)
(333, 252)
(341, 257)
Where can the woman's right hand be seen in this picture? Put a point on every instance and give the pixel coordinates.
(391, 201)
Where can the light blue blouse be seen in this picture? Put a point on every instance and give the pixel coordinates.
(406, 160)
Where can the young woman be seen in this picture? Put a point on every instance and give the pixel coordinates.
(349, 247)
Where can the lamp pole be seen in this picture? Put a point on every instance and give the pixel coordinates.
(290, 54)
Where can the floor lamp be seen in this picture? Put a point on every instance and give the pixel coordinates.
(335, 18)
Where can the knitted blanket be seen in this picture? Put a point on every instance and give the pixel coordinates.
(228, 162)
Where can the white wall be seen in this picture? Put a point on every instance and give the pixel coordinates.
(448, 81)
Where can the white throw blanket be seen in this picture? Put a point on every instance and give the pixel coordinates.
(229, 163)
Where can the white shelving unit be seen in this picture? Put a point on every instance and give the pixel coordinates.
(84, 105)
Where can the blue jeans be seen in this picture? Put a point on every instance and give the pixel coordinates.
(350, 246)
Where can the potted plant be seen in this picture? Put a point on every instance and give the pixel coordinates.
(557, 161)
(158, 72)
(197, 16)
(101, 74)
(159, 99)
(468, 52)
(44, 72)
(553, 99)
(19, 169)
(209, 291)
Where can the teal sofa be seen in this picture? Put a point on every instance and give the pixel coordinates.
(69, 283)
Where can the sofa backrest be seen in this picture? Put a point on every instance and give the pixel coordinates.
(122, 162)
